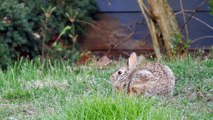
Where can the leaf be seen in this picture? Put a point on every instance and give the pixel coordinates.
(83, 59)
(103, 61)
(65, 30)
(43, 9)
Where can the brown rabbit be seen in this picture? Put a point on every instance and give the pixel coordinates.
(150, 79)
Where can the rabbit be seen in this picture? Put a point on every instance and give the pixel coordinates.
(148, 79)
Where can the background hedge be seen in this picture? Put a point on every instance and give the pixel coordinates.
(21, 20)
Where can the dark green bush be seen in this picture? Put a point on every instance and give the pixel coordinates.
(82, 10)
(20, 19)
(16, 35)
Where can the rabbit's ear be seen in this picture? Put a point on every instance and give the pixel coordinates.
(132, 61)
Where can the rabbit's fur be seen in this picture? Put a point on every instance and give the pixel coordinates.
(149, 79)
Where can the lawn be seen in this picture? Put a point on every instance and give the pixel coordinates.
(65, 91)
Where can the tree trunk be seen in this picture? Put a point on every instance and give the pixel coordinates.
(162, 25)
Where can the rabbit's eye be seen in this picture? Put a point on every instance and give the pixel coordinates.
(120, 72)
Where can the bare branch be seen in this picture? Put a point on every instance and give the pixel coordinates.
(201, 21)
(184, 19)
(181, 12)
(89, 23)
(201, 4)
(203, 37)
(126, 39)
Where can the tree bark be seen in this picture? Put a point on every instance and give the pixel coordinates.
(165, 26)
(152, 30)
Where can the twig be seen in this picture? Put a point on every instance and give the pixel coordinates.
(89, 23)
(96, 27)
(123, 41)
(203, 37)
(201, 21)
(206, 24)
(192, 14)
(181, 12)
(184, 19)
(127, 38)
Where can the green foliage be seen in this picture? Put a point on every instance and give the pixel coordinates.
(79, 10)
(4, 55)
(211, 6)
(16, 35)
(180, 46)
(59, 51)
(21, 19)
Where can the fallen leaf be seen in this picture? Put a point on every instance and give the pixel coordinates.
(103, 62)
(83, 58)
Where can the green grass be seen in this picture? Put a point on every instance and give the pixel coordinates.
(119, 108)
(27, 93)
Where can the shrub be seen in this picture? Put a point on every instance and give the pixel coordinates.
(80, 10)
(16, 35)
(20, 19)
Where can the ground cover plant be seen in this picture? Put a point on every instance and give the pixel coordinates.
(65, 91)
